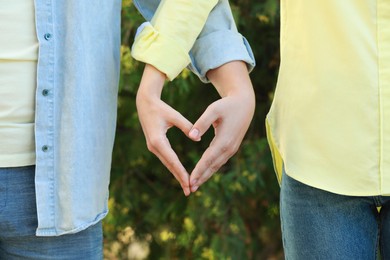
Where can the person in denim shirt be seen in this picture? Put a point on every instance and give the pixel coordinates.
(53, 207)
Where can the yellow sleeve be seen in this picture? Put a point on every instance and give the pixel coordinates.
(165, 42)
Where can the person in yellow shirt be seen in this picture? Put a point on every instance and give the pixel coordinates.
(329, 129)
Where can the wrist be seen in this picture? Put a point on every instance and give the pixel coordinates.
(152, 82)
(232, 79)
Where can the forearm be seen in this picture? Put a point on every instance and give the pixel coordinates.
(167, 40)
(152, 83)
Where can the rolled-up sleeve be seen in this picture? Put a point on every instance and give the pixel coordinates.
(219, 43)
(166, 41)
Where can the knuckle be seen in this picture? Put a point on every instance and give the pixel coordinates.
(214, 168)
(229, 149)
(154, 144)
(208, 163)
(233, 150)
(172, 165)
(225, 149)
(213, 109)
(150, 147)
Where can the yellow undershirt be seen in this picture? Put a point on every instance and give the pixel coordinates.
(18, 64)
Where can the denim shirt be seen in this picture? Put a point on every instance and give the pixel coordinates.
(219, 29)
(76, 101)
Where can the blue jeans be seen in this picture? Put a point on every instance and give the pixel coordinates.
(18, 222)
(321, 225)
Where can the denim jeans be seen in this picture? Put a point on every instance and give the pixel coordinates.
(317, 224)
(18, 223)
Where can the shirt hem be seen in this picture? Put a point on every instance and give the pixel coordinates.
(50, 232)
(280, 166)
(17, 161)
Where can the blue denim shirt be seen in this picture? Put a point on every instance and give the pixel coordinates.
(76, 101)
(220, 28)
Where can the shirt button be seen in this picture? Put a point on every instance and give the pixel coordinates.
(48, 36)
(45, 148)
(45, 92)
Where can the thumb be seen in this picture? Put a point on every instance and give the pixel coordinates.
(203, 124)
(180, 121)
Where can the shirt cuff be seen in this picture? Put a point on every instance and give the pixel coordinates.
(162, 52)
(217, 49)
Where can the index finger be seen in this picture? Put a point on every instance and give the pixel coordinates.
(215, 156)
(163, 150)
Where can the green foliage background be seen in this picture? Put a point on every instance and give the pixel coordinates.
(236, 214)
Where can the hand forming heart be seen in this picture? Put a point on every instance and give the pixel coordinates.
(230, 116)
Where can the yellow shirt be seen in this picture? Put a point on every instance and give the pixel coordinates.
(18, 62)
(329, 123)
(166, 41)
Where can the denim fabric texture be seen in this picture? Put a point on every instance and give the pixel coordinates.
(75, 115)
(18, 222)
(76, 103)
(317, 224)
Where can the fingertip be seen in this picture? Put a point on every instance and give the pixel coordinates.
(194, 134)
(194, 188)
(194, 184)
(187, 192)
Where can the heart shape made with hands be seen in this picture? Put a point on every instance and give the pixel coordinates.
(211, 160)
(190, 182)
(229, 130)
(230, 116)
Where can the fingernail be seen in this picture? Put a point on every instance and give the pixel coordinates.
(194, 134)
(195, 188)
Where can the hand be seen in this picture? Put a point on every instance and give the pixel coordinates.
(230, 116)
(156, 118)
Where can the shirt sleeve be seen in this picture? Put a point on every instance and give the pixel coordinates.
(166, 41)
(219, 43)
